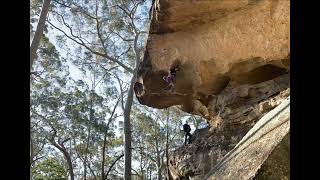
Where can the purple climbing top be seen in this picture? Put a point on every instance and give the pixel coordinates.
(168, 78)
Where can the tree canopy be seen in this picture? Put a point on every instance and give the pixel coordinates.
(85, 121)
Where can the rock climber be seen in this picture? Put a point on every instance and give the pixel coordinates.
(170, 78)
(138, 89)
(187, 129)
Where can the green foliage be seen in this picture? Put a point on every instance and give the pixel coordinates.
(150, 135)
(35, 9)
(49, 169)
(79, 110)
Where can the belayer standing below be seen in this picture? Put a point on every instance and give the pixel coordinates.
(187, 129)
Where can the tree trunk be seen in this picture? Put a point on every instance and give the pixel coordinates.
(86, 154)
(31, 154)
(150, 174)
(91, 118)
(127, 132)
(158, 160)
(147, 173)
(141, 160)
(103, 156)
(31, 151)
(127, 111)
(67, 157)
(167, 145)
(103, 174)
(39, 31)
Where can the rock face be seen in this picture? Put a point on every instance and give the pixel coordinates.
(243, 161)
(233, 60)
(228, 42)
(239, 115)
(276, 166)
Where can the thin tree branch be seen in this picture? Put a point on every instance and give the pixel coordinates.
(121, 91)
(78, 8)
(65, 140)
(98, 29)
(92, 172)
(137, 173)
(34, 160)
(124, 39)
(37, 153)
(107, 72)
(125, 52)
(130, 70)
(111, 166)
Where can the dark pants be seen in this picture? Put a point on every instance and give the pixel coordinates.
(189, 139)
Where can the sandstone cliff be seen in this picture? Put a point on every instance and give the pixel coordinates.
(233, 59)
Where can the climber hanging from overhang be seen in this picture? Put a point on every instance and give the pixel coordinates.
(170, 78)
